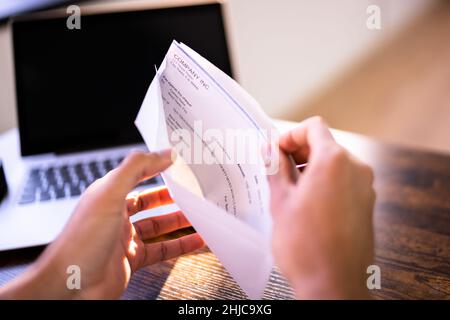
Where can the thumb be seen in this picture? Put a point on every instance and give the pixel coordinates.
(139, 166)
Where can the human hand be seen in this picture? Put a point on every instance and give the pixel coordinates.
(100, 239)
(322, 219)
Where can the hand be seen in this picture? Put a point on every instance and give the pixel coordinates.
(322, 218)
(101, 240)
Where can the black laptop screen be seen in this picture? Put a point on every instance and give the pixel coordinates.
(82, 89)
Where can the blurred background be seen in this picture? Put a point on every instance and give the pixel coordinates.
(301, 58)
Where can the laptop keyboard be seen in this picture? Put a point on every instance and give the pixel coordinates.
(68, 180)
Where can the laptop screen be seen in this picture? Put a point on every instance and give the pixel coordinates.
(82, 89)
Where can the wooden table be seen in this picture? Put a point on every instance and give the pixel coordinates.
(412, 237)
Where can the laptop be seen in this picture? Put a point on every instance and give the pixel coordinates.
(78, 93)
(10, 8)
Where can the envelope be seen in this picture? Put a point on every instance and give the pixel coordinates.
(227, 204)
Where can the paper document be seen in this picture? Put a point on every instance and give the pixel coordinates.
(218, 179)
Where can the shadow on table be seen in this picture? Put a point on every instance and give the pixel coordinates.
(146, 284)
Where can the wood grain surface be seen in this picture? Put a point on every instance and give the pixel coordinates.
(412, 238)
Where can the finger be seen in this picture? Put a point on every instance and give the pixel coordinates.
(309, 135)
(160, 251)
(136, 167)
(155, 226)
(148, 199)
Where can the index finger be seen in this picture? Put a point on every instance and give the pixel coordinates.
(309, 135)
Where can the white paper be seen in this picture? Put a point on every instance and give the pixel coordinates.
(226, 203)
